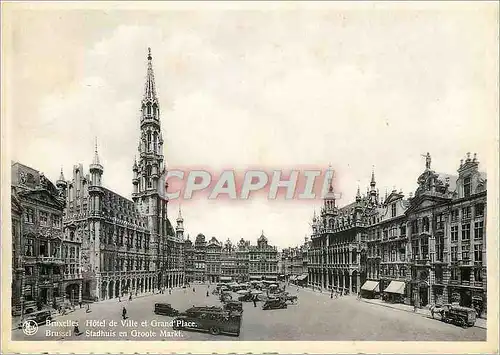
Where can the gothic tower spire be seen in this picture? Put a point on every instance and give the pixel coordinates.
(150, 88)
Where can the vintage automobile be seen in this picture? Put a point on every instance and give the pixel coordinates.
(248, 297)
(40, 317)
(214, 320)
(292, 298)
(165, 309)
(462, 316)
(235, 306)
(274, 303)
(225, 297)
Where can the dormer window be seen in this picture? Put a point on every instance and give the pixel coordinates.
(393, 210)
(467, 187)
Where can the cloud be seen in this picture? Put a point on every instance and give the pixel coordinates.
(275, 89)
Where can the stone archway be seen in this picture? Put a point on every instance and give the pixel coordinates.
(104, 290)
(354, 282)
(111, 289)
(117, 288)
(72, 292)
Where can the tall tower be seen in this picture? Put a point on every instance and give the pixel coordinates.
(180, 226)
(148, 169)
(95, 222)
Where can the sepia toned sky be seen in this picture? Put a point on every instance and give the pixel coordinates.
(351, 86)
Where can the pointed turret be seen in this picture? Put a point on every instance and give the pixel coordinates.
(61, 184)
(372, 182)
(358, 195)
(373, 190)
(96, 168)
(180, 225)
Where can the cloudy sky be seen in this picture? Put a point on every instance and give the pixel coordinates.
(353, 86)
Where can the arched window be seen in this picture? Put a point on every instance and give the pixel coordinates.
(155, 142)
(155, 111)
(148, 109)
(425, 223)
(149, 142)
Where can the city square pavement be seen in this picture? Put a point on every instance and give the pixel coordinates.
(315, 317)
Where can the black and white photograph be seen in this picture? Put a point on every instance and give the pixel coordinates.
(264, 176)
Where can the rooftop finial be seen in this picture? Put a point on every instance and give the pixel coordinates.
(372, 182)
(149, 54)
(180, 213)
(96, 155)
(61, 176)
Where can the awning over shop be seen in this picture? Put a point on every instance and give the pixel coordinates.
(225, 278)
(396, 287)
(270, 277)
(302, 277)
(371, 286)
(255, 277)
(293, 277)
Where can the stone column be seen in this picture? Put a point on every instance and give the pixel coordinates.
(358, 283)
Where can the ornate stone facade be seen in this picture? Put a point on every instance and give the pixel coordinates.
(41, 273)
(427, 249)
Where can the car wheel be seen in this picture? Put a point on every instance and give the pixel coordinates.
(214, 331)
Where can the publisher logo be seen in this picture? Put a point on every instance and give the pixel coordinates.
(30, 327)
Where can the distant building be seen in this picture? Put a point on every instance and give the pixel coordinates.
(229, 268)
(200, 251)
(263, 261)
(213, 259)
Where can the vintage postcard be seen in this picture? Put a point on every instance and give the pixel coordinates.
(246, 177)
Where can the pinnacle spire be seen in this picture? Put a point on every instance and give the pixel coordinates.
(372, 182)
(150, 88)
(61, 177)
(96, 156)
(180, 213)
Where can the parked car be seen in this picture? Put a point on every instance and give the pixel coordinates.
(214, 320)
(165, 309)
(236, 306)
(246, 297)
(292, 298)
(274, 303)
(40, 317)
(462, 316)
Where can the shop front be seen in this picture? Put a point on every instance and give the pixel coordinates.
(370, 289)
(395, 292)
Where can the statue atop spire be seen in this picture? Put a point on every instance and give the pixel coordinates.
(150, 88)
(427, 161)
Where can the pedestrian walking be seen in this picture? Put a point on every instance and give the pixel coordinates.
(80, 302)
(207, 293)
(194, 290)
(76, 330)
(130, 297)
(255, 301)
(88, 309)
(119, 299)
(415, 307)
(124, 313)
(331, 295)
